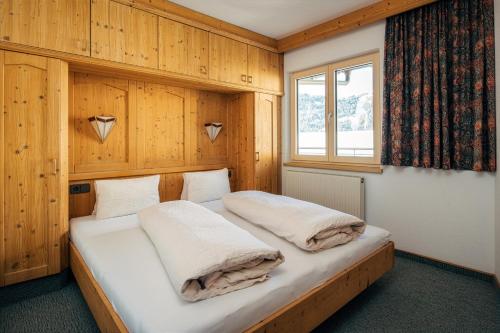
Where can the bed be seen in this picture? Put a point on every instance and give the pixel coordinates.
(127, 288)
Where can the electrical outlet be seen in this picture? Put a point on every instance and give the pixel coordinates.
(79, 188)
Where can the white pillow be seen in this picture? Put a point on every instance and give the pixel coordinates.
(118, 197)
(205, 186)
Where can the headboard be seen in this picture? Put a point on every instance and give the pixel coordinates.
(159, 129)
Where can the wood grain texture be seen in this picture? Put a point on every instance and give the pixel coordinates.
(182, 48)
(34, 125)
(161, 126)
(266, 143)
(264, 69)
(120, 70)
(124, 34)
(228, 60)
(353, 20)
(210, 107)
(315, 306)
(53, 24)
(188, 16)
(98, 95)
(301, 315)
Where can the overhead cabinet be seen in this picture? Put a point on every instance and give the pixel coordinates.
(228, 60)
(124, 34)
(264, 69)
(59, 25)
(33, 167)
(183, 48)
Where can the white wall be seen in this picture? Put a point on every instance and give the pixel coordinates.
(497, 182)
(447, 215)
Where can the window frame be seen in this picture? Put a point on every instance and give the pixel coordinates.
(331, 158)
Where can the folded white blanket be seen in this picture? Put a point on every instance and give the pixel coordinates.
(309, 226)
(203, 254)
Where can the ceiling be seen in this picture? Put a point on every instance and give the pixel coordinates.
(274, 18)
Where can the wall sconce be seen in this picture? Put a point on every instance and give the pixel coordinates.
(213, 130)
(102, 125)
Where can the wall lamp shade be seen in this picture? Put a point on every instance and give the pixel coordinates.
(213, 129)
(102, 125)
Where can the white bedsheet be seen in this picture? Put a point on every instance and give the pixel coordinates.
(126, 265)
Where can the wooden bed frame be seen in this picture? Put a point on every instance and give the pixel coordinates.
(301, 315)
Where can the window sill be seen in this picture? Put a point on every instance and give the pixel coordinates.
(369, 168)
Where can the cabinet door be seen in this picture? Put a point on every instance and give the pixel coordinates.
(264, 69)
(124, 34)
(228, 60)
(59, 25)
(33, 159)
(266, 151)
(183, 49)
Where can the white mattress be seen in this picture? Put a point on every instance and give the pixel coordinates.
(124, 262)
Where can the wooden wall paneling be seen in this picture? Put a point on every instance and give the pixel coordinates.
(161, 140)
(2, 172)
(124, 34)
(171, 186)
(59, 25)
(264, 69)
(96, 95)
(34, 128)
(182, 48)
(265, 143)
(210, 107)
(228, 60)
(57, 146)
(241, 115)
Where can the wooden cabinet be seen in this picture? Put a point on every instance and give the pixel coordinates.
(254, 141)
(33, 167)
(264, 69)
(182, 49)
(266, 143)
(124, 34)
(228, 60)
(59, 25)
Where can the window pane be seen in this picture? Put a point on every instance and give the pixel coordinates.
(311, 136)
(354, 111)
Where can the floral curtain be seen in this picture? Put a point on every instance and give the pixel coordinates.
(439, 87)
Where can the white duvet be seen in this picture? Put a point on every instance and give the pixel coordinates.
(309, 226)
(203, 254)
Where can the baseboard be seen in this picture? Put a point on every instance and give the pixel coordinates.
(489, 277)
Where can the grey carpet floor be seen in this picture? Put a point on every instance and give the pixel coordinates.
(413, 297)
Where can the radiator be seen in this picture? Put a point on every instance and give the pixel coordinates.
(343, 193)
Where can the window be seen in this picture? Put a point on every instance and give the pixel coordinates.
(335, 113)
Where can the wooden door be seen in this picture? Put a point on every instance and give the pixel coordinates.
(266, 143)
(182, 48)
(33, 160)
(228, 60)
(59, 25)
(264, 69)
(124, 34)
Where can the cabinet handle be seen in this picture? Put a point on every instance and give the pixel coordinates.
(54, 165)
(203, 70)
(250, 79)
(257, 156)
(243, 78)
